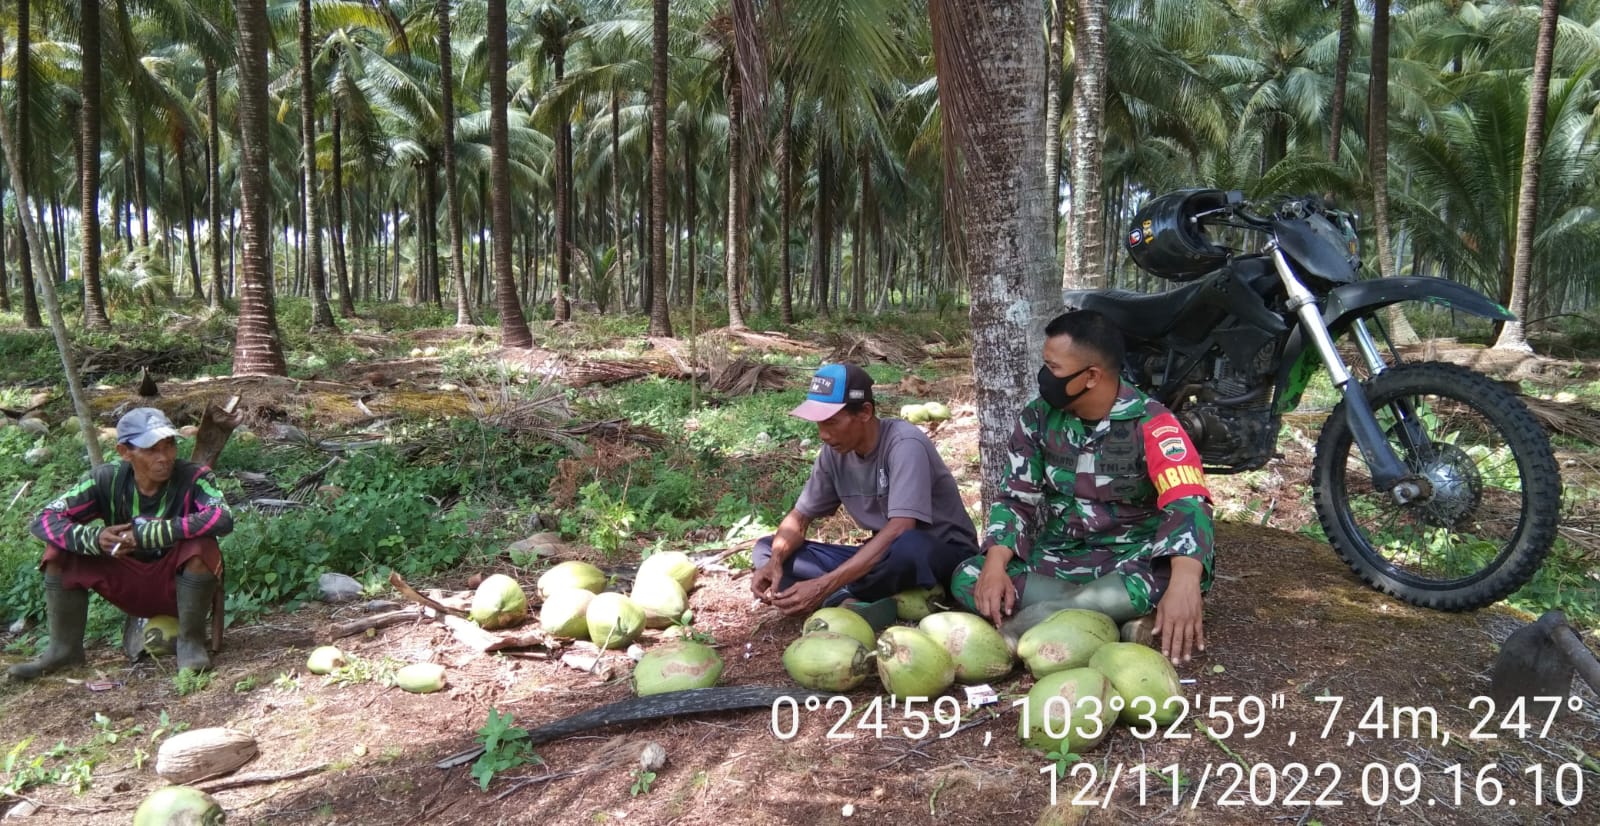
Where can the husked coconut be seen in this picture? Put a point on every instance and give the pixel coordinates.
(661, 598)
(1144, 678)
(676, 666)
(564, 613)
(674, 564)
(1066, 639)
(979, 652)
(571, 574)
(499, 602)
(826, 661)
(1067, 711)
(913, 664)
(841, 621)
(614, 620)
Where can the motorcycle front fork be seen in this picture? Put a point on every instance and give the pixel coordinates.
(1389, 473)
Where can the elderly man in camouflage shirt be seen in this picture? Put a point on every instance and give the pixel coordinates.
(1105, 507)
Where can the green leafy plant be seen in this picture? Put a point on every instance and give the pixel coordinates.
(1063, 760)
(641, 782)
(505, 746)
(18, 775)
(245, 685)
(188, 681)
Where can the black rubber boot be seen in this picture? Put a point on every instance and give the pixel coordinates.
(194, 603)
(67, 610)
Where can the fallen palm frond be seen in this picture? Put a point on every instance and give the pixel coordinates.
(861, 348)
(1573, 419)
(743, 376)
(764, 342)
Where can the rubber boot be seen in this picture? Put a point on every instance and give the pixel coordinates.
(194, 603)
(67, 610)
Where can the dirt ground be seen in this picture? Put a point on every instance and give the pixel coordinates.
(1290, 631)
(1286, 621)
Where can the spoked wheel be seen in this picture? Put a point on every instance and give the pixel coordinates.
(1492, 495)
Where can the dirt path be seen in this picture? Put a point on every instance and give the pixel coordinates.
(1286, 621)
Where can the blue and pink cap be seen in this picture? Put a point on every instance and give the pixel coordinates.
(833, 387)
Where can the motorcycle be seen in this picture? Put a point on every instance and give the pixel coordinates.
(1434, 483)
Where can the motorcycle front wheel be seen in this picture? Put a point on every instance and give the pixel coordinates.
(1493, 489)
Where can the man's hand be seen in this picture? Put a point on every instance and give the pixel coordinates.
(994, 595)
(116, 540)
(803, 597)
(1180, 615)
(766, 579)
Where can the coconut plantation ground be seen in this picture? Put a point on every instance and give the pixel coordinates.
(409, 447)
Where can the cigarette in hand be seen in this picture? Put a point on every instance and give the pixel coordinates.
(116, 547)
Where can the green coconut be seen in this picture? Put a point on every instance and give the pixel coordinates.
(571, 574)
(979, 652)
(674, 564)
(841, 621)
(614, 620)
(1066, 639)
(936, 411)
(179, 806)
(676, 666)
(325, 659)
(564, 613)
(420, 678)
(913, 604)
(1144, 678)
(827, 661)
(1077, 721)
(662, 599)
(913, 664)
(499, 602)
(160, 635)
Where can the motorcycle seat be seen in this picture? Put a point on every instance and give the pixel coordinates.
(1139, 315)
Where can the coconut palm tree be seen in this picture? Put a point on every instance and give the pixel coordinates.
(1511, 333)
(24, 74)
(514, 330)
(94, 305)
(1085, 230)
(321, 312)
(990, 69)
(452, 196)
(660, 319)
(257, 348)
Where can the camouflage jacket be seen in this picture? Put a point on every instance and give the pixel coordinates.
(1082, 503)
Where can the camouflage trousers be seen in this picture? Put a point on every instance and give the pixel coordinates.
(1144, 578)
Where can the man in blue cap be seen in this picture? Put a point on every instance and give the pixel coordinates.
(155, 554)
(890, 479)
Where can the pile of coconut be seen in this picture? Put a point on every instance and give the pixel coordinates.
(1085, 679)
(577, 606)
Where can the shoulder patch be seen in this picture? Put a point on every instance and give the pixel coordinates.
(1173, 448)
(1165, 430)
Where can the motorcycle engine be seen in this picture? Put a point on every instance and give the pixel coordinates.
(1229, 416)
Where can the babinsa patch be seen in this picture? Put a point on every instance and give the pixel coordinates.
(1173, 448)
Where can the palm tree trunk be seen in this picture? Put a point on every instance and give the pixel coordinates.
(321, 313)
(822, 221)
(1084, 231)
(214, 183)
(514, 330)
(1341, 75)
(563, 206)
(616, 207)
(691, 209)
(1512, 333)
(1052, 110)
(735, 245)
(786, 157)
(1378, 163)
(452, 193)
(188, 225)
(858, 255)
(94, 303)
(347, 304)
(1003, 216)
(660, 318)
(257, 349)
(30, 297)
(141, 186)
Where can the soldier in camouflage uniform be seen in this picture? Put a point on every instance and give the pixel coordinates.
(1105, 507)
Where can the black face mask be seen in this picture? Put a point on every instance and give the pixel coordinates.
(1054, 390)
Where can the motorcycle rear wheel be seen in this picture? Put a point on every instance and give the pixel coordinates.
(1494, 498)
